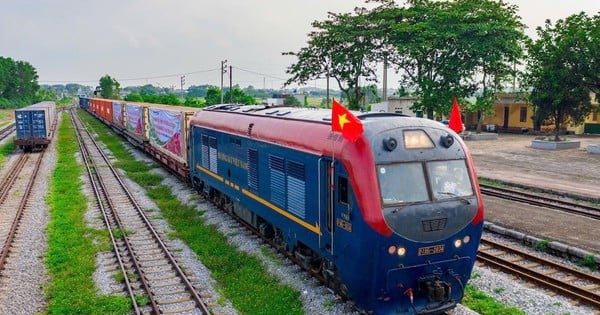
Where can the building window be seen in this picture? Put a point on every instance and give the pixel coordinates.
(523, 116)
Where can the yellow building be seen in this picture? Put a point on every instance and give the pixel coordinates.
(512, 114)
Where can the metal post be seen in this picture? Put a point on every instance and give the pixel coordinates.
(223, 71)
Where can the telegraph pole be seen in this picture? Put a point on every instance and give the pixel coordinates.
(182, 83)
(223, 71)
(230, 87)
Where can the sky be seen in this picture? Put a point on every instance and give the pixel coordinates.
(157, 42)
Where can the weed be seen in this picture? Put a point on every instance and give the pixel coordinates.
(590, 262)
(542, 245)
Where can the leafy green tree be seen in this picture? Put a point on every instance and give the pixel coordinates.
(213, 96)
(343, 48)
(45, 95)
(134, 97)
(197, 90)
(446, 49)
(291, 101)
(492, 35)
(18, 83)
(237, 96)
(558, 89)
(194, 102)
(110, 88)
(169, 99)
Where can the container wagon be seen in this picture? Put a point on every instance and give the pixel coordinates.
(167, 131)
(35, 125)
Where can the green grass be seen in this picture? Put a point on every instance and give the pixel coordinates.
(5, 150)
(241, 277)
(484, 304)
(72, 245)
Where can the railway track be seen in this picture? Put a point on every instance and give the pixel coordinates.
(7, 131)
(150, 270)
(15, 191)
(580, 286)
(542, 201)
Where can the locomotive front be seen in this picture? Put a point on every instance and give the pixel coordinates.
(426, 230)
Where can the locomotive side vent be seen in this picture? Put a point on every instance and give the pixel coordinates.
(434, 224)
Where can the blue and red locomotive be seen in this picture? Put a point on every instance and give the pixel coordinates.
(392, 221)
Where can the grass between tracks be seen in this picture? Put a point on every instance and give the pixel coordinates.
(72, 244)
(5, 150)
(241, 278)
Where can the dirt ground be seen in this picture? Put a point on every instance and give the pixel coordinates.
(571, 171)
(511, 158)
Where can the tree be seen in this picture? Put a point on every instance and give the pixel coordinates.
(493, 36)
(237, 96)
(134, 97)
(110, 88)
(18, 83)
(447, 49)
(213, 96)
(558, 88)
(343, 48)
(291, 101)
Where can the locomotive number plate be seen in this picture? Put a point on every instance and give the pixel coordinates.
(430, 250)
(344, 225)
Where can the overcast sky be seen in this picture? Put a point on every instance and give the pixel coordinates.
(157, 41)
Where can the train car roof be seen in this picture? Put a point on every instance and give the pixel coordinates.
(317, 115)
(44, 104)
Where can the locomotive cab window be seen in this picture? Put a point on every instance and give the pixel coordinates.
(343, 190)
(402, 183)
(449, 179)
(411, 182)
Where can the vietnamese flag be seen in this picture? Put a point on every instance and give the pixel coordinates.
(343, 121)
(455, 121)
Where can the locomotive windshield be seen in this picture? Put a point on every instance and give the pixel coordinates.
(423, 181)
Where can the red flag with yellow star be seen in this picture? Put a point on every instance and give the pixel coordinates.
(343, 121)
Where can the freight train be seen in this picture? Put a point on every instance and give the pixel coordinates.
(35, 125)
(391, 220)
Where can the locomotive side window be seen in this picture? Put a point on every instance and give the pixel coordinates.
(402, 183)
(449, 179)
(343, 190)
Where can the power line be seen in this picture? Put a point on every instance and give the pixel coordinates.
(136, 79)
(261, 74)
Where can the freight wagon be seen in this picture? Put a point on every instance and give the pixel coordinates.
(35, 125)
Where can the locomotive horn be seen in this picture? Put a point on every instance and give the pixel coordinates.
(390, 144)
(447, 141)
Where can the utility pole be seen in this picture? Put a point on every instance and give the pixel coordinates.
(223, 71)
(182, 83)
(384, 96)
(230, 87)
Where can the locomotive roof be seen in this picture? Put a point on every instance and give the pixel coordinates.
(317, 115)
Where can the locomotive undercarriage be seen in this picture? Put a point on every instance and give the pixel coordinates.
(323, 269)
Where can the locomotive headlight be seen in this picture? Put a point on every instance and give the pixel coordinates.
(397, 250)
(392, 250)
(466, 239)
(458, 243)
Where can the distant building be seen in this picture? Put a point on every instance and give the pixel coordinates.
(397, 104)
